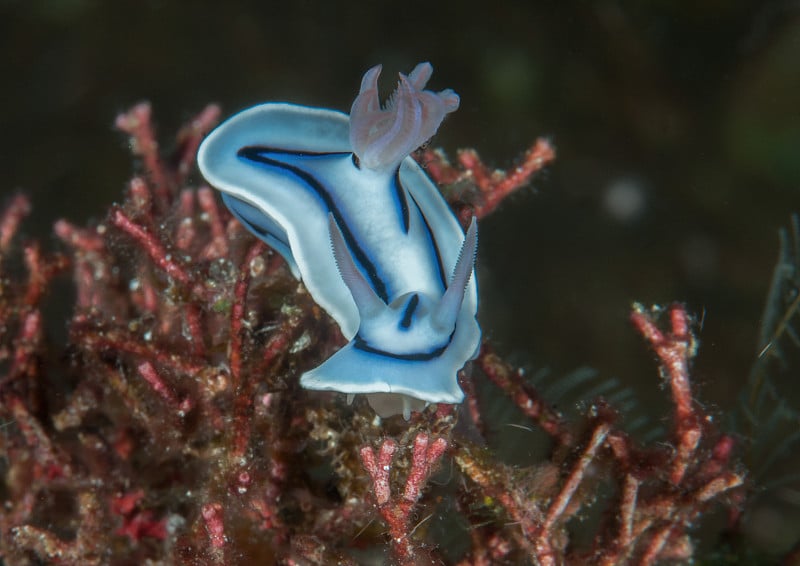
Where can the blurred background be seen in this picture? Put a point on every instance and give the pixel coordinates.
(677, 126)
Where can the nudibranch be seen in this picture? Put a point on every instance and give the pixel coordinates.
(366, 230)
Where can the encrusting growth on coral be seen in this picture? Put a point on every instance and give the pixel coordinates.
(173, 429)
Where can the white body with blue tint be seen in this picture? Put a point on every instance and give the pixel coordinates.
(366, 230)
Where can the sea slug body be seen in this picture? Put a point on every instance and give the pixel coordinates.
(366, 230)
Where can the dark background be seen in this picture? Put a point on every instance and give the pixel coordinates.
(686, 111)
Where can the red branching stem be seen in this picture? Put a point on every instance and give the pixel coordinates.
(424, 456)
(190, 136)
(559, 504)
(218, 247)
(468, 387)
(630, 492)
(194, 324)
(238, 312)
(152, 246)
(24, 347)
(510, 381)
(137, 124)
(656, 544)
(378, 468)
(720, 456)
(120, 341)
(40, 271)
(126, 503)
(720, 484)
(496, 486)
(396, 511)
(36, 279)
(536, 158)
(543, 545)
(675, 350)
(496, 186)
(243, 399)
(186, 230)
(435, 163)
(149, 300)
(140, 196)
(275, 347)
(85, 240)
(84, 281)
(151, 376)
(88, 268)
(619, 552)
(215, 524)
(688, 440)
(13, 215)
(136, 523)
(493, 186)
(36, 437)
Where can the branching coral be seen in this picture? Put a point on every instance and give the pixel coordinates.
(174, 430)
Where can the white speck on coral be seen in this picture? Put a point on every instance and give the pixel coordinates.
(257, 266)
(301, 343)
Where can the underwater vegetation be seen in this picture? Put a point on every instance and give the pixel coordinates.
(173, 429)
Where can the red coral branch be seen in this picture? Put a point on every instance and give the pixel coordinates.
(152, 377)
(120, 341)
(137, 123)
(215, 524)
(152, 246)
(189, 138)
(471, 399)
(11, 219)
(559, 503)
(50, 462)
(25, 346)
(238, 311)
(218, 247)
(139, 196)
(41, 271)
(378, 469)
(496, 484)
(137, 523)
(492, 187)
(235, 353)
(675, 350)
(396, 511)
(510, 381)
(85, 240)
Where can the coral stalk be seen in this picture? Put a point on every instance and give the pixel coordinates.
(396, 511)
